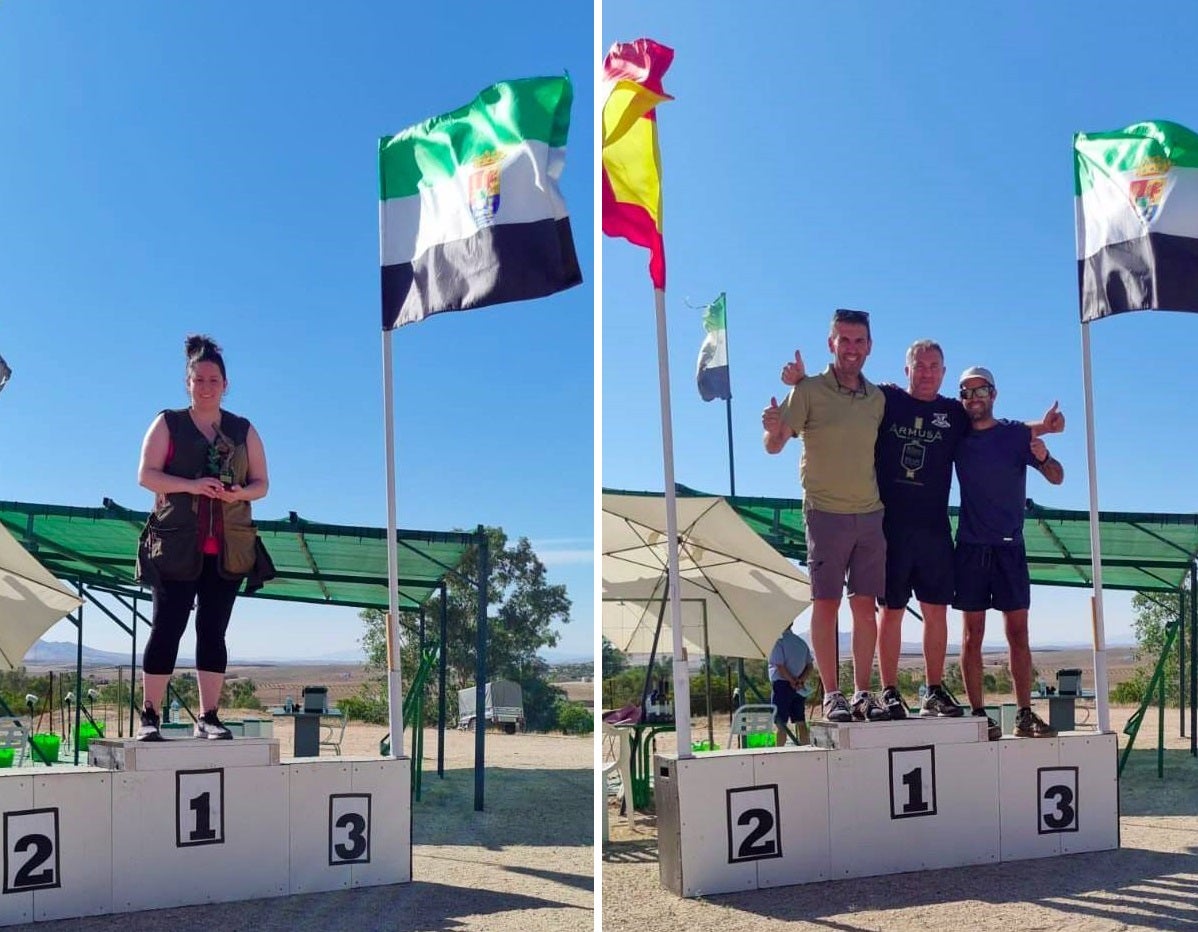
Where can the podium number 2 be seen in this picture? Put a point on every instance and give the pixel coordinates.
(753, 824)
(912, 782)
(199, 807)
(349, 828)
(31, 850)
(1058, 799)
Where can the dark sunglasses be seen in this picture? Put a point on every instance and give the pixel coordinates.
(982, 391)
(846, 316)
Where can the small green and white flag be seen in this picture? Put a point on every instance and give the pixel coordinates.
(469, 208)
(712, 374)
(1136, 197)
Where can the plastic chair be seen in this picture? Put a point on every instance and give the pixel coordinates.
(332, 733)
(15, 736)
(752, 720)
(618, 762)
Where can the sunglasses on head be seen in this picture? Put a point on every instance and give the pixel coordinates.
(982, 391)
(846, 316)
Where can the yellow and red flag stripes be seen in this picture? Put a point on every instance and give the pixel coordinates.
(631, 160)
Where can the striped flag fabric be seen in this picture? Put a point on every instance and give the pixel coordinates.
(631, 182)
(469, 208)
(712, 374)
(1136, 201)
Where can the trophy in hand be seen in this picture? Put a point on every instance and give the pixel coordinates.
(220, 457)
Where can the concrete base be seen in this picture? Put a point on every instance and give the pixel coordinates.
(84, 841)
(746, 820)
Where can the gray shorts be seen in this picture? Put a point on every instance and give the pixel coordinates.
(845, 546)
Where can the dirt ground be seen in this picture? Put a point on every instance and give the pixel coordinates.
(1150, 882)
(523, 864)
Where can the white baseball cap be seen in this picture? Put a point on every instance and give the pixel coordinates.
(977, 372)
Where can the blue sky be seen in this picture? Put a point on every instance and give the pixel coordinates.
(202, 167)
(913, 160)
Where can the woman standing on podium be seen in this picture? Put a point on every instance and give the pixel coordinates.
(204, 466)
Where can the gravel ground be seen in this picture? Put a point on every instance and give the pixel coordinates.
(1150, 882)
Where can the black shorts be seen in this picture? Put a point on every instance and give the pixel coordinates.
(919, 560)
(992, 577)
(791, 706)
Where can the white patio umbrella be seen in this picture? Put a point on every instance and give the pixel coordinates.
(731, 580)
(31, 601)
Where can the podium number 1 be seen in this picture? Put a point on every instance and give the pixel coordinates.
(199, 807)
(912, 782)
(31, 850)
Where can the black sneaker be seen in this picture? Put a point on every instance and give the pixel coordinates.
(1030, 725)
(149, 726)
(993, 731)
(867, 709)
(210, 727)
(893, 703)
(836, 708)
(939, 703)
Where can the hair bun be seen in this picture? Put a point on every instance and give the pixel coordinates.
(200, 345)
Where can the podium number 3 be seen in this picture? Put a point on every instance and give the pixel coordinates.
(31, 850)
(1058, 799)
(349, 828)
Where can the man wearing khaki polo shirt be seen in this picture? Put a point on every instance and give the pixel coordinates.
(836, 415)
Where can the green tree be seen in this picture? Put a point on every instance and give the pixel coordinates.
(522, 608)
(1153, 613)
(615, 661)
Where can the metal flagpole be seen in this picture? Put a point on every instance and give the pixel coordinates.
(1101, 697)
(682, 695)
(394, 676)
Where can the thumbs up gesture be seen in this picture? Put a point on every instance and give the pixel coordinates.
(794, 372)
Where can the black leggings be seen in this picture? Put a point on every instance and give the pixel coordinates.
(213, 596)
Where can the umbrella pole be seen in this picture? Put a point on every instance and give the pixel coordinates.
(661, 613)
(707, 664)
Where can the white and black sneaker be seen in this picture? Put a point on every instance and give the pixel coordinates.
(893, 702)
(867, 709)
(836, 708)
(210, 727)
(149, 726)
(939, 703)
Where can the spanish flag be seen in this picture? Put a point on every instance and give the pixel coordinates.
(631, 160)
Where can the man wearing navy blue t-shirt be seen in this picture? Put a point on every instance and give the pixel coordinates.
(990, 562)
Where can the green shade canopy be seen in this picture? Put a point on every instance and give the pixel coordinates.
(1141, 551)
(330, 564)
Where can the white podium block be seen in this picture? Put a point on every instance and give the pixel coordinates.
(1059, 795)
(78, 804)
(181, 753)
(1028, 772)
(22, 829)
(312, 826)
(386, 786)
(709, 823)
(801, 776)
(199, 835)
(912, 808)
(907, 732)
(1096, 757)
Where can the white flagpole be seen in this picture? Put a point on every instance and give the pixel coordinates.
(1100, 676)
(682, 692)
(394, 674)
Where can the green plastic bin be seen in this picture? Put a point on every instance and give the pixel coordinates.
(5, 757)
(45, 748)
(86, 732)
(759, 741)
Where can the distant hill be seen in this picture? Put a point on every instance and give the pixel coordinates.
(63, 653)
